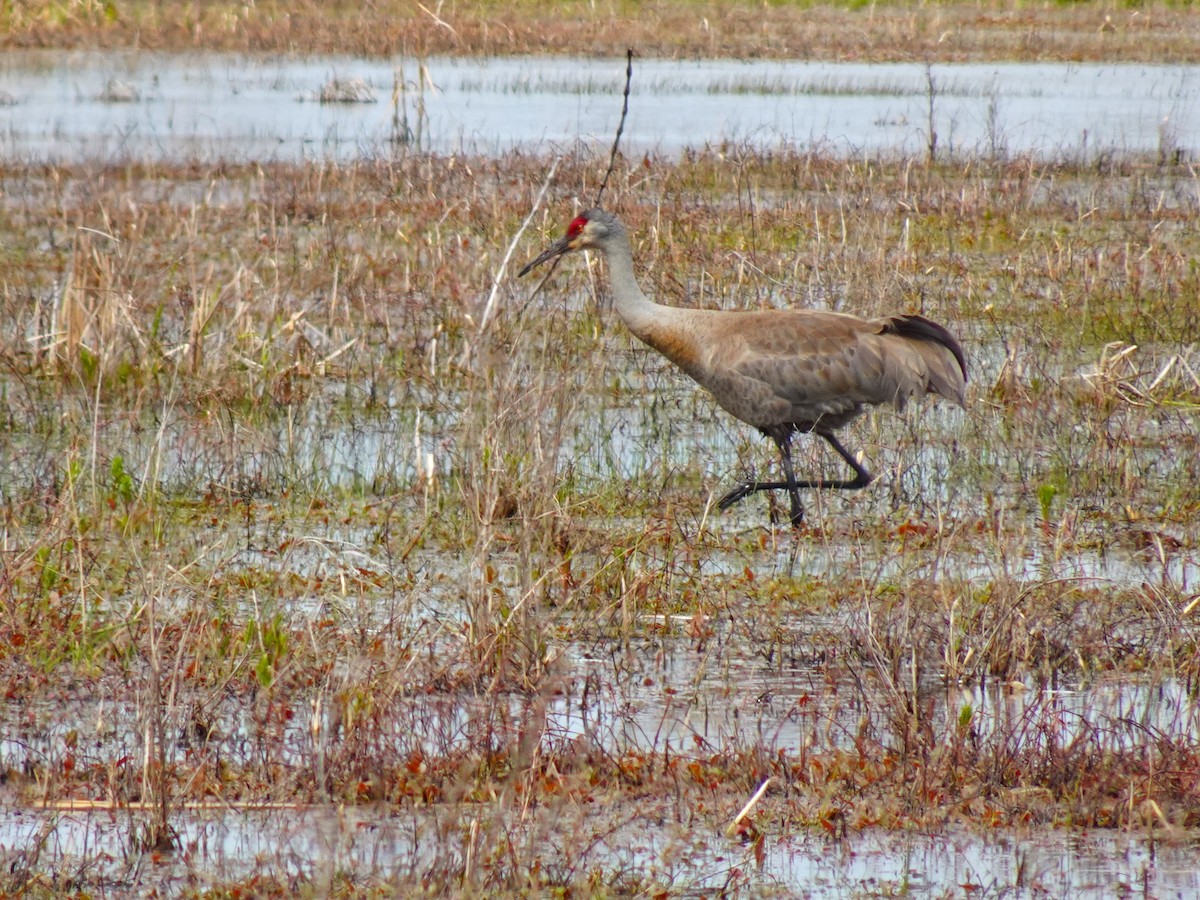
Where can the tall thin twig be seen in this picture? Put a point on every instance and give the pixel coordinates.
(612, 155)
(499, 277)
(612, 162)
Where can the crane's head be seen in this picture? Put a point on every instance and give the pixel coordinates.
(588, 229)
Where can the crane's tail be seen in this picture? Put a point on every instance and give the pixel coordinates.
(945, 379)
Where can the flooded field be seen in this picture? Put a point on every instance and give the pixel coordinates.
(334, 560)
(314, 846)
(66, 107)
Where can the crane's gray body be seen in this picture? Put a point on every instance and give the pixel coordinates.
(793, 369)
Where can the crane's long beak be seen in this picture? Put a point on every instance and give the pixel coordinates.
(558, 248)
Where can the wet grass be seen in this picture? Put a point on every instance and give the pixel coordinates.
(283, 524)
(1157, 32)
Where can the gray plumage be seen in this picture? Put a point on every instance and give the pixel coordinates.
(782, 370)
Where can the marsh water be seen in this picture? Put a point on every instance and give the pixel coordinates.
(63, 107)
(317, 843)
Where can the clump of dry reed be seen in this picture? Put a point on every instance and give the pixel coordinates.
(998, 30)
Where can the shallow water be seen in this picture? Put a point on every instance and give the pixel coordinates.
(76, 106)
(666, 692)
(316, 842)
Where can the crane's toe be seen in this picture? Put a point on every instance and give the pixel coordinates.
(738, 493)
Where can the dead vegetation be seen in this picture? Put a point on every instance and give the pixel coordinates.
(1157, 32)
(287, 524)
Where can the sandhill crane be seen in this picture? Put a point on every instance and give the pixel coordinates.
(782, 370)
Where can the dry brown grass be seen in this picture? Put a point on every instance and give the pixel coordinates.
(995, 30)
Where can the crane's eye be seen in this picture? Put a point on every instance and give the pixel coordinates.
(576, 227)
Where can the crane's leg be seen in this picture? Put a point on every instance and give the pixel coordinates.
(861, 480)
(785, 453)
(791, 485)
(863, 477)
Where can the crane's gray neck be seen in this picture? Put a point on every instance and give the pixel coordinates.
(636, 310)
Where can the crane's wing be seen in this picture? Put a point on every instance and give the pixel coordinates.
(811, 367)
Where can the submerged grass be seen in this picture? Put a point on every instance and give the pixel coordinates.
(286, 522)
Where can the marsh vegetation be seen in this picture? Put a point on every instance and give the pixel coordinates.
(334, 561)
(1160, 31)
(287, 522)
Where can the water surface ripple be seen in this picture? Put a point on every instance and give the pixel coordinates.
(58, 106)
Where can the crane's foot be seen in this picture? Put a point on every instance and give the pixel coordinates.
(750, 487)
(796, 519)
(738, 493)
